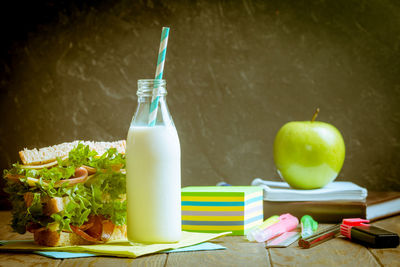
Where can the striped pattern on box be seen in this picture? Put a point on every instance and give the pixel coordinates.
(215, 209)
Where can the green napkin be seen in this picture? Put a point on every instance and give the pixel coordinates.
(118, 248)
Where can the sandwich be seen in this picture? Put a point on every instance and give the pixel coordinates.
(70, 194)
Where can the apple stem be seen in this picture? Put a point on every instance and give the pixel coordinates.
(315, 115)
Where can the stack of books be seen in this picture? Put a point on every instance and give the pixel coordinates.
(330, 204)
(217, 209)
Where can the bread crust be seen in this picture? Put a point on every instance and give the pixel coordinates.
(49, 154)
(55, 239)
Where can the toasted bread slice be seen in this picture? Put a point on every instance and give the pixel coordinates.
(49, 154)
(55, 239)
(53, 205)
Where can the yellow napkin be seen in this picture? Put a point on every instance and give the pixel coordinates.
(120, 248)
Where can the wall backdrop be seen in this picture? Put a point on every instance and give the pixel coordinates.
(236, 72)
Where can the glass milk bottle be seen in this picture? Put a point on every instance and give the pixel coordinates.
(153, 171)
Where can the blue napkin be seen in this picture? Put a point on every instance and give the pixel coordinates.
(63, 255)
(197, 247)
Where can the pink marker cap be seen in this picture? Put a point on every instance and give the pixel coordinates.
(288, 222)
(347, 224)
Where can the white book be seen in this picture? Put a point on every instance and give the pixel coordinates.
(281, 191)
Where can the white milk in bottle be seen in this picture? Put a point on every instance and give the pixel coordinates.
(153, 171)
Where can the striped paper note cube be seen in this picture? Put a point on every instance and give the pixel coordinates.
(217, 209)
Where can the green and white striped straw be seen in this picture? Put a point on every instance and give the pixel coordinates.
(159, 73)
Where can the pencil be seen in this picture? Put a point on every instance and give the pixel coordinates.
(319, 237)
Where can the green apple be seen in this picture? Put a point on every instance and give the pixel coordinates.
(308, 154)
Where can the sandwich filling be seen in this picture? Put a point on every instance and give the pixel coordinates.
(84, 193)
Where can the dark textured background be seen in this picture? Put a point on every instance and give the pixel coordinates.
(236, 72)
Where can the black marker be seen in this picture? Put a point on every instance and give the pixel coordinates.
(368, 235)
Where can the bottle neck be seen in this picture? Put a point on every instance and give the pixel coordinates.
(148, 91)
(151, 88)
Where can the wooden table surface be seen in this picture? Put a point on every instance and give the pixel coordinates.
(239, 252)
